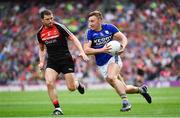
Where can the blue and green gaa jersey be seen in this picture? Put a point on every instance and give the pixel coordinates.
(99, 39)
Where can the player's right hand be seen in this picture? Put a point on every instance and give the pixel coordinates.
(84, 56)
(41, 65)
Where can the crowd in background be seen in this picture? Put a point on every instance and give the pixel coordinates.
(152, 29)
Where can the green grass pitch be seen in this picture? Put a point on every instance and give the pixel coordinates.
(94, 103)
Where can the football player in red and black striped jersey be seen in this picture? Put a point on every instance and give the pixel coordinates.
(52, 38)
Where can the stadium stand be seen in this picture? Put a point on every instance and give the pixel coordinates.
(152, 28)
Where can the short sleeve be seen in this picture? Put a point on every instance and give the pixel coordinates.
(88, 35)
(65, 32)
(113, 28)
(39, 38)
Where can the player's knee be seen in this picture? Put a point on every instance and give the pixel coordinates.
(72, 88)
(50, 84)
(111, 79)
(126, 89)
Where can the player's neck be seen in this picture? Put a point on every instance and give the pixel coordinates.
(48, 27)
(99, 29)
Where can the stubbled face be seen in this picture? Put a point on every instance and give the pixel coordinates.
(48, 20)
(94, 23)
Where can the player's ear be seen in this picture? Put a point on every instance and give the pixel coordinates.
(42, 20)
(100, 20)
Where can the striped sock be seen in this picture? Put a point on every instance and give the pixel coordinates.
(56, 104)
(140, 90)
(124, 96)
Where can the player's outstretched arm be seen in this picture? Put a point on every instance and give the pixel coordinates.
(91, 51)
(79, 46)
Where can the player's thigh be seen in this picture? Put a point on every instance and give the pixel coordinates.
(114, 66)
(50, 75)
(113, 70)
(70, 80)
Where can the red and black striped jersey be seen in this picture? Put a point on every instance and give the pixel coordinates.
(55, 39)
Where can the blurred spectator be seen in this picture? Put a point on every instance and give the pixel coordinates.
(152, 28)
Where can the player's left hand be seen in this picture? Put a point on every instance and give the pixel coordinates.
(84, 56)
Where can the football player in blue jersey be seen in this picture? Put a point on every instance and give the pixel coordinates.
(98, 35)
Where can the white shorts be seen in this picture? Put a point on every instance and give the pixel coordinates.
(114, 59)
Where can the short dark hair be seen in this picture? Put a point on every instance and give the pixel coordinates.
(45, 12)
(96, 13)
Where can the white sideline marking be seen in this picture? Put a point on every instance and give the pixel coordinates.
(92, 117)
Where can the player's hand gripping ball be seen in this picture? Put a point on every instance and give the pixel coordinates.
(115, 47)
